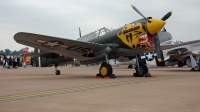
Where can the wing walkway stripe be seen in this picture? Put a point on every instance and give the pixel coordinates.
(81, 88)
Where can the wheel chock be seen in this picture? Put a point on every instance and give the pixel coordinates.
(145, 75)
(136, 75)
(98, 76)
(110, 76)
(106, 77)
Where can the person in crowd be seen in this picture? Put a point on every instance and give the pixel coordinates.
(18, 61)
(32, 61)
(1, 61)
(10, 62)
(14, 62)
(4, 62)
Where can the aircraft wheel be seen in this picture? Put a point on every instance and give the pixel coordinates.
(197, 68)
(130, 66)
(105, 69)
(141, 70)
(57, 72)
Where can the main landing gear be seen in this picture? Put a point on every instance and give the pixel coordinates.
(105, 71)
(57, 71)
(141, 70)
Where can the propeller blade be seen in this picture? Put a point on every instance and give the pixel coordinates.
(167, 16)
(80, 31)
(157, 47)
(139, 12)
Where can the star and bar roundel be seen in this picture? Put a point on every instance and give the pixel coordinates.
(52, 43)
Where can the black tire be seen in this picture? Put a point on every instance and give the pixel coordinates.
(57, 72)
(143, 69)
(130, 66)
(197, 68)
(105, 69)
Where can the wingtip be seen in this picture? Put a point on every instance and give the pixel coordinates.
(171, 12)
(132, 6)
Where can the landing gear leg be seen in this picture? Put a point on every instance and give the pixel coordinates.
(141, 69)
(106, 70)
(57, 71)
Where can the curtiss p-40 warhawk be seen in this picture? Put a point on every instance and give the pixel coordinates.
(132, 39)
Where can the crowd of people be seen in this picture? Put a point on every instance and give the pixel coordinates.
(14, 62)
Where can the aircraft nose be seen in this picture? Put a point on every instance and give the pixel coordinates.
(155, 26)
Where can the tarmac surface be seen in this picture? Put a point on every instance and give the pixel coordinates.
(77, 90)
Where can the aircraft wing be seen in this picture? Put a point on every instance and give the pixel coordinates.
(67, 47)
(181, 53)
(178, 51)
(184, 50)
(169, 46)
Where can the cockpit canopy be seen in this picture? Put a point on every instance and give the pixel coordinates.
(93, 35)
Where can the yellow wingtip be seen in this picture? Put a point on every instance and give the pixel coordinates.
(132, 6)
(171, 12)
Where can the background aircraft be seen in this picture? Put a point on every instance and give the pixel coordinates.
(132, 39)
(187, 54)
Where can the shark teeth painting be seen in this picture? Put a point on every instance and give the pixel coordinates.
(147, 39)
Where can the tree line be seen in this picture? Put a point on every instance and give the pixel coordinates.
(13, 53)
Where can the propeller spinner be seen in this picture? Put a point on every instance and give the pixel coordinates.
(153, 27)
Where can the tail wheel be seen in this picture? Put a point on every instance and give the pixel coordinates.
(57, 72)
(105, 69)
(141, 70)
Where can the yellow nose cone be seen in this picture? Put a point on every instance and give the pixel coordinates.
(155, 26)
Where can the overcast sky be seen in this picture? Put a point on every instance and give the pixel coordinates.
(62, 18)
